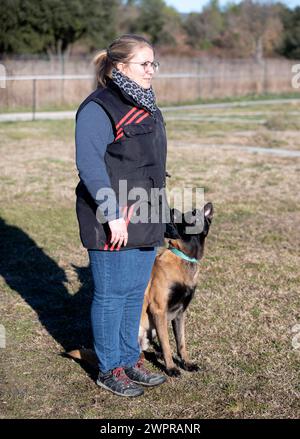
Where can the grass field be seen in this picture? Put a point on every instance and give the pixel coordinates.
(240, 323)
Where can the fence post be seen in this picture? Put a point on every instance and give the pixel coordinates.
(265, 76)
(199, 79)
(33, 98)
(62, 84)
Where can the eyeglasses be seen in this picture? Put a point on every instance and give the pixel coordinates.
(146, 64)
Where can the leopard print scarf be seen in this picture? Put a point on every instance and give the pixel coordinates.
(142, 96)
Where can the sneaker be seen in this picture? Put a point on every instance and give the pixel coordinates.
(139, 374)
(118, 382)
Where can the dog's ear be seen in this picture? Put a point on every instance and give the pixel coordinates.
(209, 211)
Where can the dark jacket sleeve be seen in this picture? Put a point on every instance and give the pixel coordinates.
(92, 135)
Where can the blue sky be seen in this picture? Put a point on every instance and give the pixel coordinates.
(196, 5)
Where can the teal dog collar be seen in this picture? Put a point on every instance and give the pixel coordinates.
(182, 255)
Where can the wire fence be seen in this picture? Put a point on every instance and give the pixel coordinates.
(188, 81)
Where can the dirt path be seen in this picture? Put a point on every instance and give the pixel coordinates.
(13, 117)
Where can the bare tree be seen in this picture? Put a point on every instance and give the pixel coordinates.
(253, 28)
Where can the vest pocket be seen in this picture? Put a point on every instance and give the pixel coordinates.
(137, 129)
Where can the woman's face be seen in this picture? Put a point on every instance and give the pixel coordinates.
(134, 69)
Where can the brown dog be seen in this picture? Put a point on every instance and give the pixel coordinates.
(171, 287)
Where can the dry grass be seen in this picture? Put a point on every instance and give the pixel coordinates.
(239, 326)
(277, 126)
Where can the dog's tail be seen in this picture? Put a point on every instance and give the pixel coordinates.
(87, 355)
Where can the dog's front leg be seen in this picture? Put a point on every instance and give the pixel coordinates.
(161, 324)
(178, 325)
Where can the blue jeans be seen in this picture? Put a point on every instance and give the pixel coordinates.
(120, 280)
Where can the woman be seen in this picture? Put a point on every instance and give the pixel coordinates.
(120, 145)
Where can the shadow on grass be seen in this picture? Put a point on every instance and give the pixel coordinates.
(28, 270)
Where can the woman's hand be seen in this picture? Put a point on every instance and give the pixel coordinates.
(119, 233)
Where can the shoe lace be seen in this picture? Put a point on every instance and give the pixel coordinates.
(140, 365)
(120, 374)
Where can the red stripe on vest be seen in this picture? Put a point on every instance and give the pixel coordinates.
(120, 132)
(141, 118)
(130, 212)
(119, 135)
(134, 117)
(126, 117)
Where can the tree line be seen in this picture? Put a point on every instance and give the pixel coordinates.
(252, 28)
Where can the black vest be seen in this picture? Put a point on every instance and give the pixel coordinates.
(137, 155)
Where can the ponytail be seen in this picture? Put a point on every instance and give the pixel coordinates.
(103, 67)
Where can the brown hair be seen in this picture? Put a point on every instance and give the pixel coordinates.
(120, 50)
